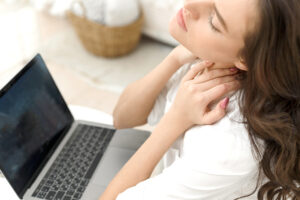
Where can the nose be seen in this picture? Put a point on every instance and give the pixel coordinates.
(196, 8)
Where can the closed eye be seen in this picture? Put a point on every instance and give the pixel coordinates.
(210, 18)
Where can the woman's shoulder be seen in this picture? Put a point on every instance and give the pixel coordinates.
(224, 146)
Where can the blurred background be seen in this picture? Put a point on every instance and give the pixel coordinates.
(84, 77)
(29, 27)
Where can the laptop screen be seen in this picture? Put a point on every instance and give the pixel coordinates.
(33, 119)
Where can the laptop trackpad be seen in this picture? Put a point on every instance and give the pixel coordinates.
(93, 192)
(111, 163)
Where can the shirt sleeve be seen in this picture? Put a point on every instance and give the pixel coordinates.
(169, 90)
(159, 108)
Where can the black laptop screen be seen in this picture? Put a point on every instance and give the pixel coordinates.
(33, 117)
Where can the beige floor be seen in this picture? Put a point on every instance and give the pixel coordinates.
(64, 48)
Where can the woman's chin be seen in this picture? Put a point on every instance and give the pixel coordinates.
(174, 30)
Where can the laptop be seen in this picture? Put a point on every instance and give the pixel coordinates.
(45, 153)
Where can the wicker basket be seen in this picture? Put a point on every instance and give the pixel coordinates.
(103, 40)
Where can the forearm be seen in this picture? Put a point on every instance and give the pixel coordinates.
(137, 100)
(142, 163)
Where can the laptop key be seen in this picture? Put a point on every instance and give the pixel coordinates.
(62, 176)
(80, 189)
(68, 181)
(73, 186)
(70, 192)
(80, 174)
(84, 182)
(76, 180)
(41, 195)
(67, 198)
(50, 195)
(45, 189)
(52, 176)
(77, 195)
(49, 183)
(55, 187)
(63, 187)
(59, 195)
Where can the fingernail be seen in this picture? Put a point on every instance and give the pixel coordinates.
(208, 62)
(233, 69)
(225, 103)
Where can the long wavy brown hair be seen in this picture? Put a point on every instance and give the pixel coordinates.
(270, 97)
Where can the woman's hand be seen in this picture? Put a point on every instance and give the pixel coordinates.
(196, 92)
(182, 55)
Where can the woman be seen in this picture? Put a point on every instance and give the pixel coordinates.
(262, 39)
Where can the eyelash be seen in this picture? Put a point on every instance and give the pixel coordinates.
(211, 24)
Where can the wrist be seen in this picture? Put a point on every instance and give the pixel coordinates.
(177, 121)
(168, 130)
(175, 59)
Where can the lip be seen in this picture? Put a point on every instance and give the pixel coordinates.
(180, 20)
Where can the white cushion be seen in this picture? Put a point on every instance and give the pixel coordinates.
(158, 14)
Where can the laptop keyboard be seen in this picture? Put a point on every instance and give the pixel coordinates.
(70, 173)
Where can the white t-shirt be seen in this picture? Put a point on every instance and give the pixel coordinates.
(211, 162)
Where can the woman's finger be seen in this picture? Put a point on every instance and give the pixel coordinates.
(219, 91)
(192, 73)
(217, 113)
(216, 73)
(214, 82)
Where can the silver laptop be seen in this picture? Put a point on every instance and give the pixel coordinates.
(45, 153)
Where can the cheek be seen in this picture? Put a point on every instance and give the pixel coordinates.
(176, 32)
(204, 43)
(172, 29)
(210, 46)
